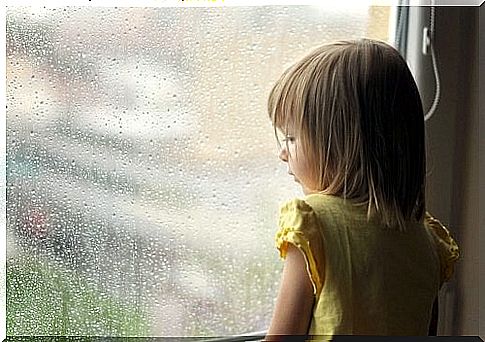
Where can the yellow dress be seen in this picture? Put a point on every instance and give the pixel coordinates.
(367, 279)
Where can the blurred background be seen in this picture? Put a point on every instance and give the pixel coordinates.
(143, 182)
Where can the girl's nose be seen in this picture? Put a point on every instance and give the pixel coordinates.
(283, 154)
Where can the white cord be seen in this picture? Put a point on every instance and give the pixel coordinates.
(437, 94)
(400, 26)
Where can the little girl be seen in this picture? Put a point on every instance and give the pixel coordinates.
(363, 257)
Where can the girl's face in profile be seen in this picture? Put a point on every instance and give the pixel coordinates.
(299, 165)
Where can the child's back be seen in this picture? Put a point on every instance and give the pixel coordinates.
(374, 280)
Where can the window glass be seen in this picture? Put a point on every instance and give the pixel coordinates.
(143, 181)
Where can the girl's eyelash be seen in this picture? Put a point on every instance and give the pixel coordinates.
(288, 138)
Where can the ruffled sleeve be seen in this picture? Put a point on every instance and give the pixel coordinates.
(298, 225)
(448, 250)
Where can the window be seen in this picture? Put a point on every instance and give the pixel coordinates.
(143, 181)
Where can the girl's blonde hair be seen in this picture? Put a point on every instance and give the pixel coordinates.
(357, 112)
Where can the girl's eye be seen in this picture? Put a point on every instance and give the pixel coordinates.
(288, 138)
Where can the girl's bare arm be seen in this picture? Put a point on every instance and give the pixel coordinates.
(294, 304)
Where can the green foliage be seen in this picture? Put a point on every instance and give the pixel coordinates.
(45, 301)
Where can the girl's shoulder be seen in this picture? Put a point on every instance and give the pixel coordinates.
(335, 206)
(312, 201)
(300, 212)
(299, 226)
(296, 205)
(446, 245)
(310, 212)
(297, 214)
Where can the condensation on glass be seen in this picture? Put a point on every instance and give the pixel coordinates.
(143, 182)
